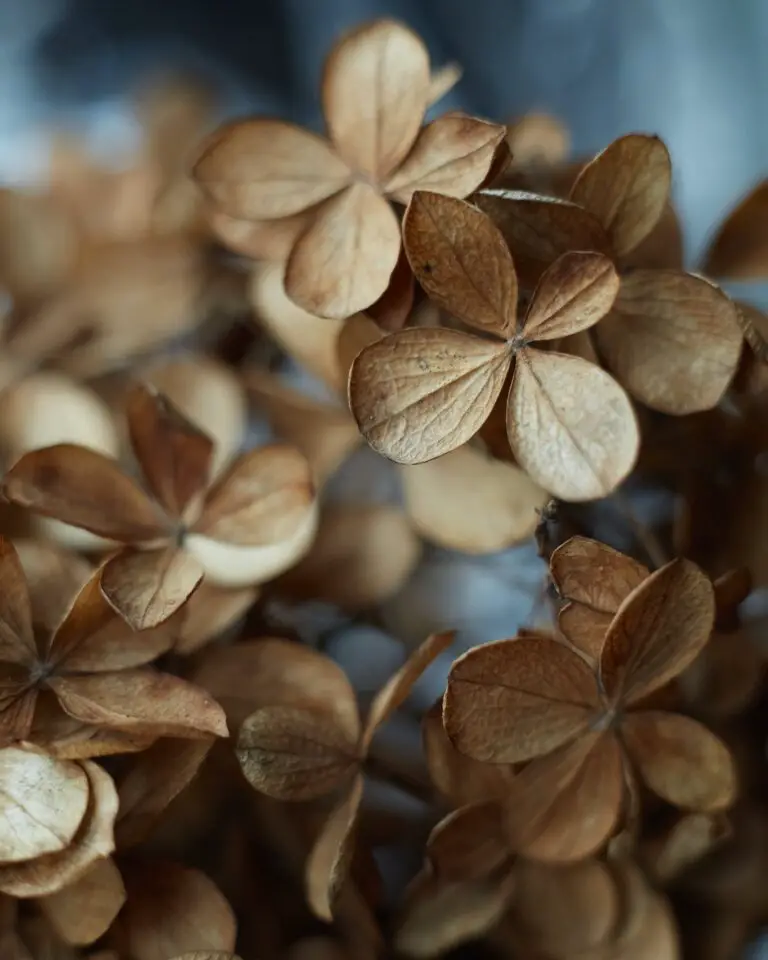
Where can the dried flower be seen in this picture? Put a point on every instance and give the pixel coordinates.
(251, 524)
(375, 91)
(584, 729)
(423, 392)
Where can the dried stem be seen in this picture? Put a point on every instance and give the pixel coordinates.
(644, 535)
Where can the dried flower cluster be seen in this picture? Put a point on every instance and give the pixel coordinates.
(186, 770)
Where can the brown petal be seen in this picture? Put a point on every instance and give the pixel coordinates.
(470, 843)
(141, 701)
(172, 910)
(471, 502)
(680, 760)
(258, 239)
(294, 753)
(18, 702)
(84, 911)
(42, 802)
(460, 779)
(626, 187)
(591, 429)
(689, 839)
(174, 455)
(739, 250)
(511, 700)
(93, 841)
(356, 334)
(672, 339)
(452, 156)
(88, 613)
(396, 690)
(361, 556)
(266, 169)
(659, 629)
(267, 672)
(375, 92)
(440, 915)
(79, 486)
(343, 262)
(754, 326)
(17, 641)
(393, 308)
(65, 738)
(146, 587)
(564, 806)
(310, 340)
(328, 861)
(155, 778)
(54, 576)
(539, 229)
(262, 499)
(572, 295)
(420, 393)
(462, 261)
(209, 612)
(324, 433)
(595, 580)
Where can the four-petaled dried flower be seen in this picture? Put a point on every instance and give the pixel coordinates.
(96, 668)
(307, 741)
(250, 525)
(583, 727)
(671, 338)
(376, 89)
(422, 392)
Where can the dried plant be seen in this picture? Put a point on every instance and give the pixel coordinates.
(208, 734)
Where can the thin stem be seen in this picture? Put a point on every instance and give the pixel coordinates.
(643, 534)
(380, 769)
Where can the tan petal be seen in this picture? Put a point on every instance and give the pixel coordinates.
(172, 910)
(258, 239)
(17, 641)
(396, 690)
(500, 510)
(174, 455)
(659, 629)
(440, 915)
(540, 229)
(42, 802)
(266, 169)
(571, 296)
(452, 156)
(329, 858)
(356, 333)
(294, 753)
(511, 700)
(324, 433)
(310, 340)
(65, 738)
(84, 488)
(375, 92)
(443, 80)
(141, 701)
(155, 778)
(269, 671)
(84, 911)
(568, 910)
(460, 779)
(146, 587)
(539, 139)
(470, 843)
(54, 576)
(93, 841)
(739, 250)
(209, 612)
(343, 262)
(420, 393)
(672, 339)
(462, 261)
(754, 326)
(680, 760)
(563, 807)
(591, 432)
(262, 499)
(662, 249)
(361, 556)
(594, 580)
(626, 187)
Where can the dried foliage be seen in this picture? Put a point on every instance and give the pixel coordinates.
(193, 543)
